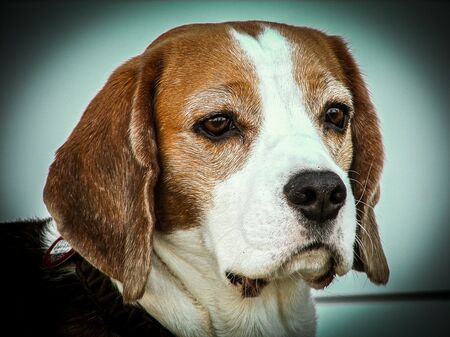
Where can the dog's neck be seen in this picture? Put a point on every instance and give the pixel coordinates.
(186, 294)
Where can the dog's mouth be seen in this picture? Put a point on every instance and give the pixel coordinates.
(316, 264)
(249, 287)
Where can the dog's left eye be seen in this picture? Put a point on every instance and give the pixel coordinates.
(336, 117)
(216, 126)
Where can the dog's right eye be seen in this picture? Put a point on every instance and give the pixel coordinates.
(216, 127)
(336, 117)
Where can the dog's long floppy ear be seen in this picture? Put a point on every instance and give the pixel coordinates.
(100, 187)
(365, 172)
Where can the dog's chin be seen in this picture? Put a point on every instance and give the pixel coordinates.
(316, 264)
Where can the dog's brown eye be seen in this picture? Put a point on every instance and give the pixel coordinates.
(216, 126)
(336, 117)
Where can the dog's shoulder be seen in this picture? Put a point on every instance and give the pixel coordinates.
(43, 301)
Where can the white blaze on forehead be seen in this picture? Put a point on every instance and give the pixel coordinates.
(271, 55)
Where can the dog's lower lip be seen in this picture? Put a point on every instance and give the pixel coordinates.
(323, 281)
(317, 276)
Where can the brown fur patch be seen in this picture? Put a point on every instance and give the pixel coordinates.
(99, 192)
(216, 78)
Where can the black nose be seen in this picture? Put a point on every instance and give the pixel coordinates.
(318, 195)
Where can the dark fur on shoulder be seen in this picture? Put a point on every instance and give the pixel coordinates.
(42, 301)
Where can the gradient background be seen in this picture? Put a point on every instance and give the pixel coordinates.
(56, 56)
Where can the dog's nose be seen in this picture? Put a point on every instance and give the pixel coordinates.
(318, 195)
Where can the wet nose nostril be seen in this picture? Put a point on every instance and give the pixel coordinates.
(306, 196)
(338, 195)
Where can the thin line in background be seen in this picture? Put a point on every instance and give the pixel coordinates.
(440, 295)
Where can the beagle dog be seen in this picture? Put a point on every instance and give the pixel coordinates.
(221, 174)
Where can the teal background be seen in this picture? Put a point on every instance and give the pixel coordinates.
(56, 56)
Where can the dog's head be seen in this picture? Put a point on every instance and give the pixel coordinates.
(261, 135)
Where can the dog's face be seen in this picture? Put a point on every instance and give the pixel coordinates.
(265, 122)
(262, 136)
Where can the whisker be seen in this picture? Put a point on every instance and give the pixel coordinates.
(370, 238)
(366, 204)
(361, 245)
(365, 184)
(354, 172)
(356, 181)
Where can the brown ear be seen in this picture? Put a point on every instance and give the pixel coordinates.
(365, 172)
(100, 187)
